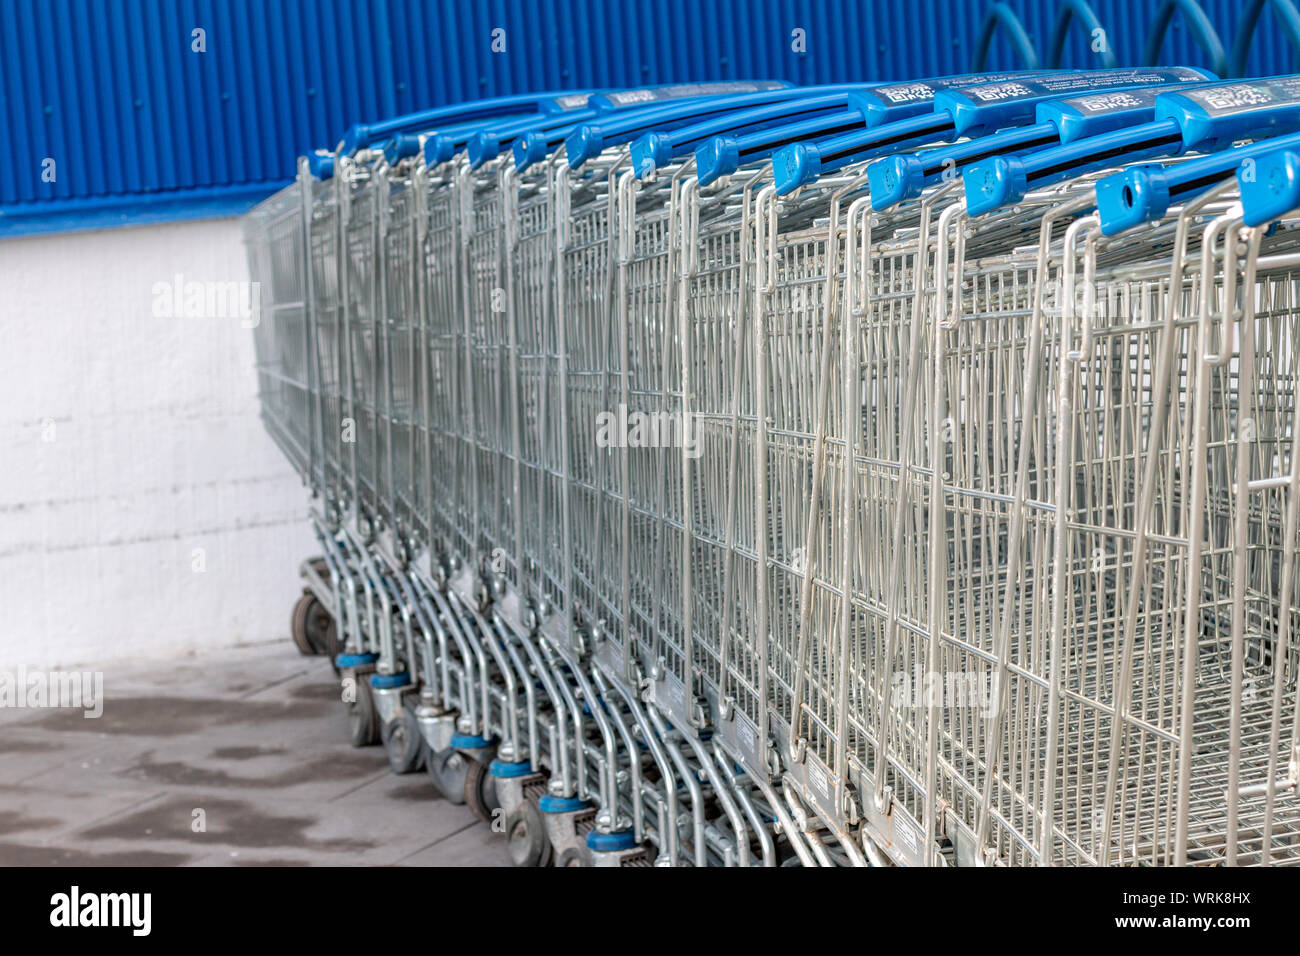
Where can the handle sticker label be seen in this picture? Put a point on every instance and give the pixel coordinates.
(1002, 92)
(1226, 99)
(683, 90)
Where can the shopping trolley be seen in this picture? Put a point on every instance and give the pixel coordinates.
(944, 553)
(573, 685)
(290, 381)
(1056, 637)
(654, 492)
(809, 280)
(486, 688)
(274, 233)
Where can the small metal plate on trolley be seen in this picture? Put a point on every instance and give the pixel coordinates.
(740, 736)
(895, 830)
(669, 695)
(609, 658)
(463, 585)
(818, 786)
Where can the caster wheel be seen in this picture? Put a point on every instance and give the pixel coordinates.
(309, 625)
(447, 769)
(403, 742)
(526, 840)
(335, 646)
(481, 791)
(363, 719)
(573, 856)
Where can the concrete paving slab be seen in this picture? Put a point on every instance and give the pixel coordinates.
(238, 758)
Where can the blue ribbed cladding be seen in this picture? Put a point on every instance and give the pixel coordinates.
(111, 91)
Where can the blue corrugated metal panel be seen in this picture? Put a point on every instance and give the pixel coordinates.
(141, 126)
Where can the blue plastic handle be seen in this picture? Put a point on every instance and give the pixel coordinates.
(648, 95)
(963, 111)
(1144, 194)
(619, 123)
(891, 101)
(361, 135)
(1207, 118)
(1084, 116)
(442, 144)
(901, 177)
(661, 147)
(658, 148)
(1216, 116)
(535, 146)
(400, 147)
(896, 178)
(580, 100)
(321, 164)
(801, 163)
(1270, 189)
(868, 108)
(986, 107)
(489, 143)
(590, 139)
(540, 132)
(999, 181)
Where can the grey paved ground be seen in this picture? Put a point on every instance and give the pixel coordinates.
(255, 737)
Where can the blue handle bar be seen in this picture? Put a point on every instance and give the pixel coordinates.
(1084, 116)
(400, 147)
(538, 136)
(882, 104)
(723, 155)
(986, 107)
(535, 146)
(901, 177)
(442, 144)
(1207, 118)
(321, 164)
(1216, 116)
(1272, 188)
(867, 108)
(590, 139)
(487, 144)
(996, 182)
(963, 111)
(645, 96)
(800, 163)
(1144, 194)
(896, 178)
(361, 135)
(661, 147)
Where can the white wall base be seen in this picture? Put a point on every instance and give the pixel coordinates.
(143, 509)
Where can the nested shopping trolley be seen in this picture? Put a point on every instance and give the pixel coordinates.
(863, 475)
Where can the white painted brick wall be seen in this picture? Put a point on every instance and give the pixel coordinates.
(157, 451)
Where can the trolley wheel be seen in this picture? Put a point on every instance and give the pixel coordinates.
(481, 791)
(526, 840)
(335, 646)
(403, 742)
(310, 626)
(363, 718)
(447, 769)
(573, 856)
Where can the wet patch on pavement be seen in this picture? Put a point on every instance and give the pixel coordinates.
(228, 822)
(325, 767)
(177, 716)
